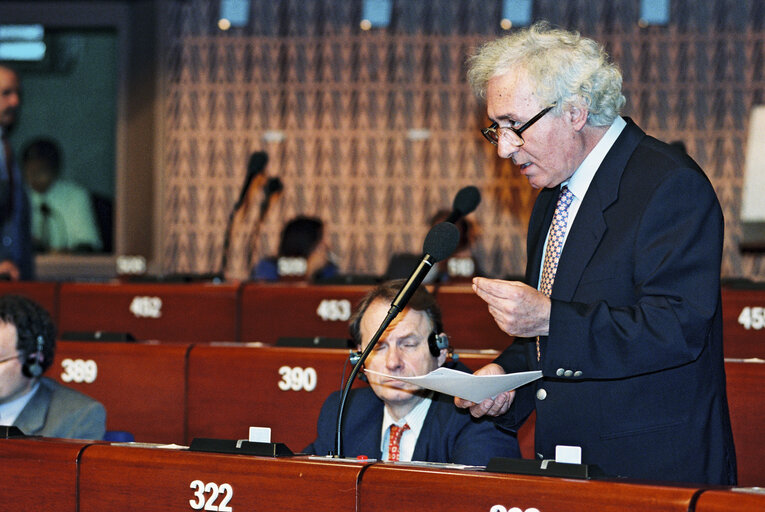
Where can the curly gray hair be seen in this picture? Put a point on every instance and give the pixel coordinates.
(566, 69)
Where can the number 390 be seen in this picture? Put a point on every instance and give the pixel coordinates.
(297, 378)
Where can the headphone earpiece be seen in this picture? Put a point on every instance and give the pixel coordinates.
(354, 357)
(32, 367)
(437, 342)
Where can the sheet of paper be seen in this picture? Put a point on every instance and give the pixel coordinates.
(466, 385)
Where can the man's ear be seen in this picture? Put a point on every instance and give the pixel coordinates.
(578, 116)
(443, 353)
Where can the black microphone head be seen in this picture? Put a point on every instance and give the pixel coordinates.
(257, 163)
(273, 185)
(441, 241)
(466, 200)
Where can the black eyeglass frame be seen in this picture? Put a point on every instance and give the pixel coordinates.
(492, 135)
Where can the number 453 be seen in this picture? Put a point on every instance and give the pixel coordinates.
(752, 318)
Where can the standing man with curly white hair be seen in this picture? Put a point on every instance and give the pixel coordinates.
(621, 306)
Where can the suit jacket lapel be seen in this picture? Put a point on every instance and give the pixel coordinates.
(589, 226)
(31, 420)
(431, 429)
(370, 436)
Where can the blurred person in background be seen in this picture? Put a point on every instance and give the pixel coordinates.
(62, 211)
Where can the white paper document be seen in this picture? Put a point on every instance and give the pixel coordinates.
(466, 385)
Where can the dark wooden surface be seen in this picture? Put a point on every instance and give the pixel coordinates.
(740, 342)
(61, 475)
(388, 487)
(727, 500)
(188, 312)
(142, 385)
(746, 400)
(39, 474)
(265, 312)
(116, 479)
(44, 293)
(270, 311)
(231, 388)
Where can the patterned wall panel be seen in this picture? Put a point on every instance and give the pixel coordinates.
(335, 108)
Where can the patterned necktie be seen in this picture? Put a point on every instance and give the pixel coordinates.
(395, 439)
(555, 245)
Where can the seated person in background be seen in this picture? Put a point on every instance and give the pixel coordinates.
(303, 254)
(62, 212)
(425, 425)
(461, 266)
(35, 404)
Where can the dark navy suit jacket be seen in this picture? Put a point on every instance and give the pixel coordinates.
(448, 434)
(15, 229)
(633, 364)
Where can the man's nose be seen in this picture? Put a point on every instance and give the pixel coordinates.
(393, 358)
(505, 149)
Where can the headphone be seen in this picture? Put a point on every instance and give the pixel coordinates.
(436, 343)
(32, 367)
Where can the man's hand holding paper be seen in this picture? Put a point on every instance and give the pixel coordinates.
(487, 385)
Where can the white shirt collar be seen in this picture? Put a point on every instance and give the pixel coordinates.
(415, 419)
(580, 181)
(9, 411)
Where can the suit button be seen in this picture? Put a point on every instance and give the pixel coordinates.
(559, 372)
(541, 394)
(568, 373)
(578, 373)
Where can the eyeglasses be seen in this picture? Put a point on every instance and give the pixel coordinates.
(495, 132)
(10, 358)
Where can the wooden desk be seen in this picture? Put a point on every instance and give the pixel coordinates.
(167, 312)
(40, 474)
(231, 388)
(44, 293)
(417, 489)
(744, 322)
(467, 320)
(142, 385)
(746, 401)
(270, 311)
(727, 500)
(127, 479)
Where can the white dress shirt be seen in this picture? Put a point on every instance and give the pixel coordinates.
(9, 411)
(580, 181)
(415, 419)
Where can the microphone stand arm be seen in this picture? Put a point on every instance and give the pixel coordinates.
(392, 313)
(227, 241)
(398, 304)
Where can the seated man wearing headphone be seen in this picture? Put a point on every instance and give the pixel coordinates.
(35, 404)
(393, 420)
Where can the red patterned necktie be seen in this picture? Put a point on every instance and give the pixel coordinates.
(555, 245)
(395, 439)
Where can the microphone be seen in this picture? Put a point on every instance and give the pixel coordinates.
(466, 200)
(255, 166)
(440, 243)
(272, 186)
